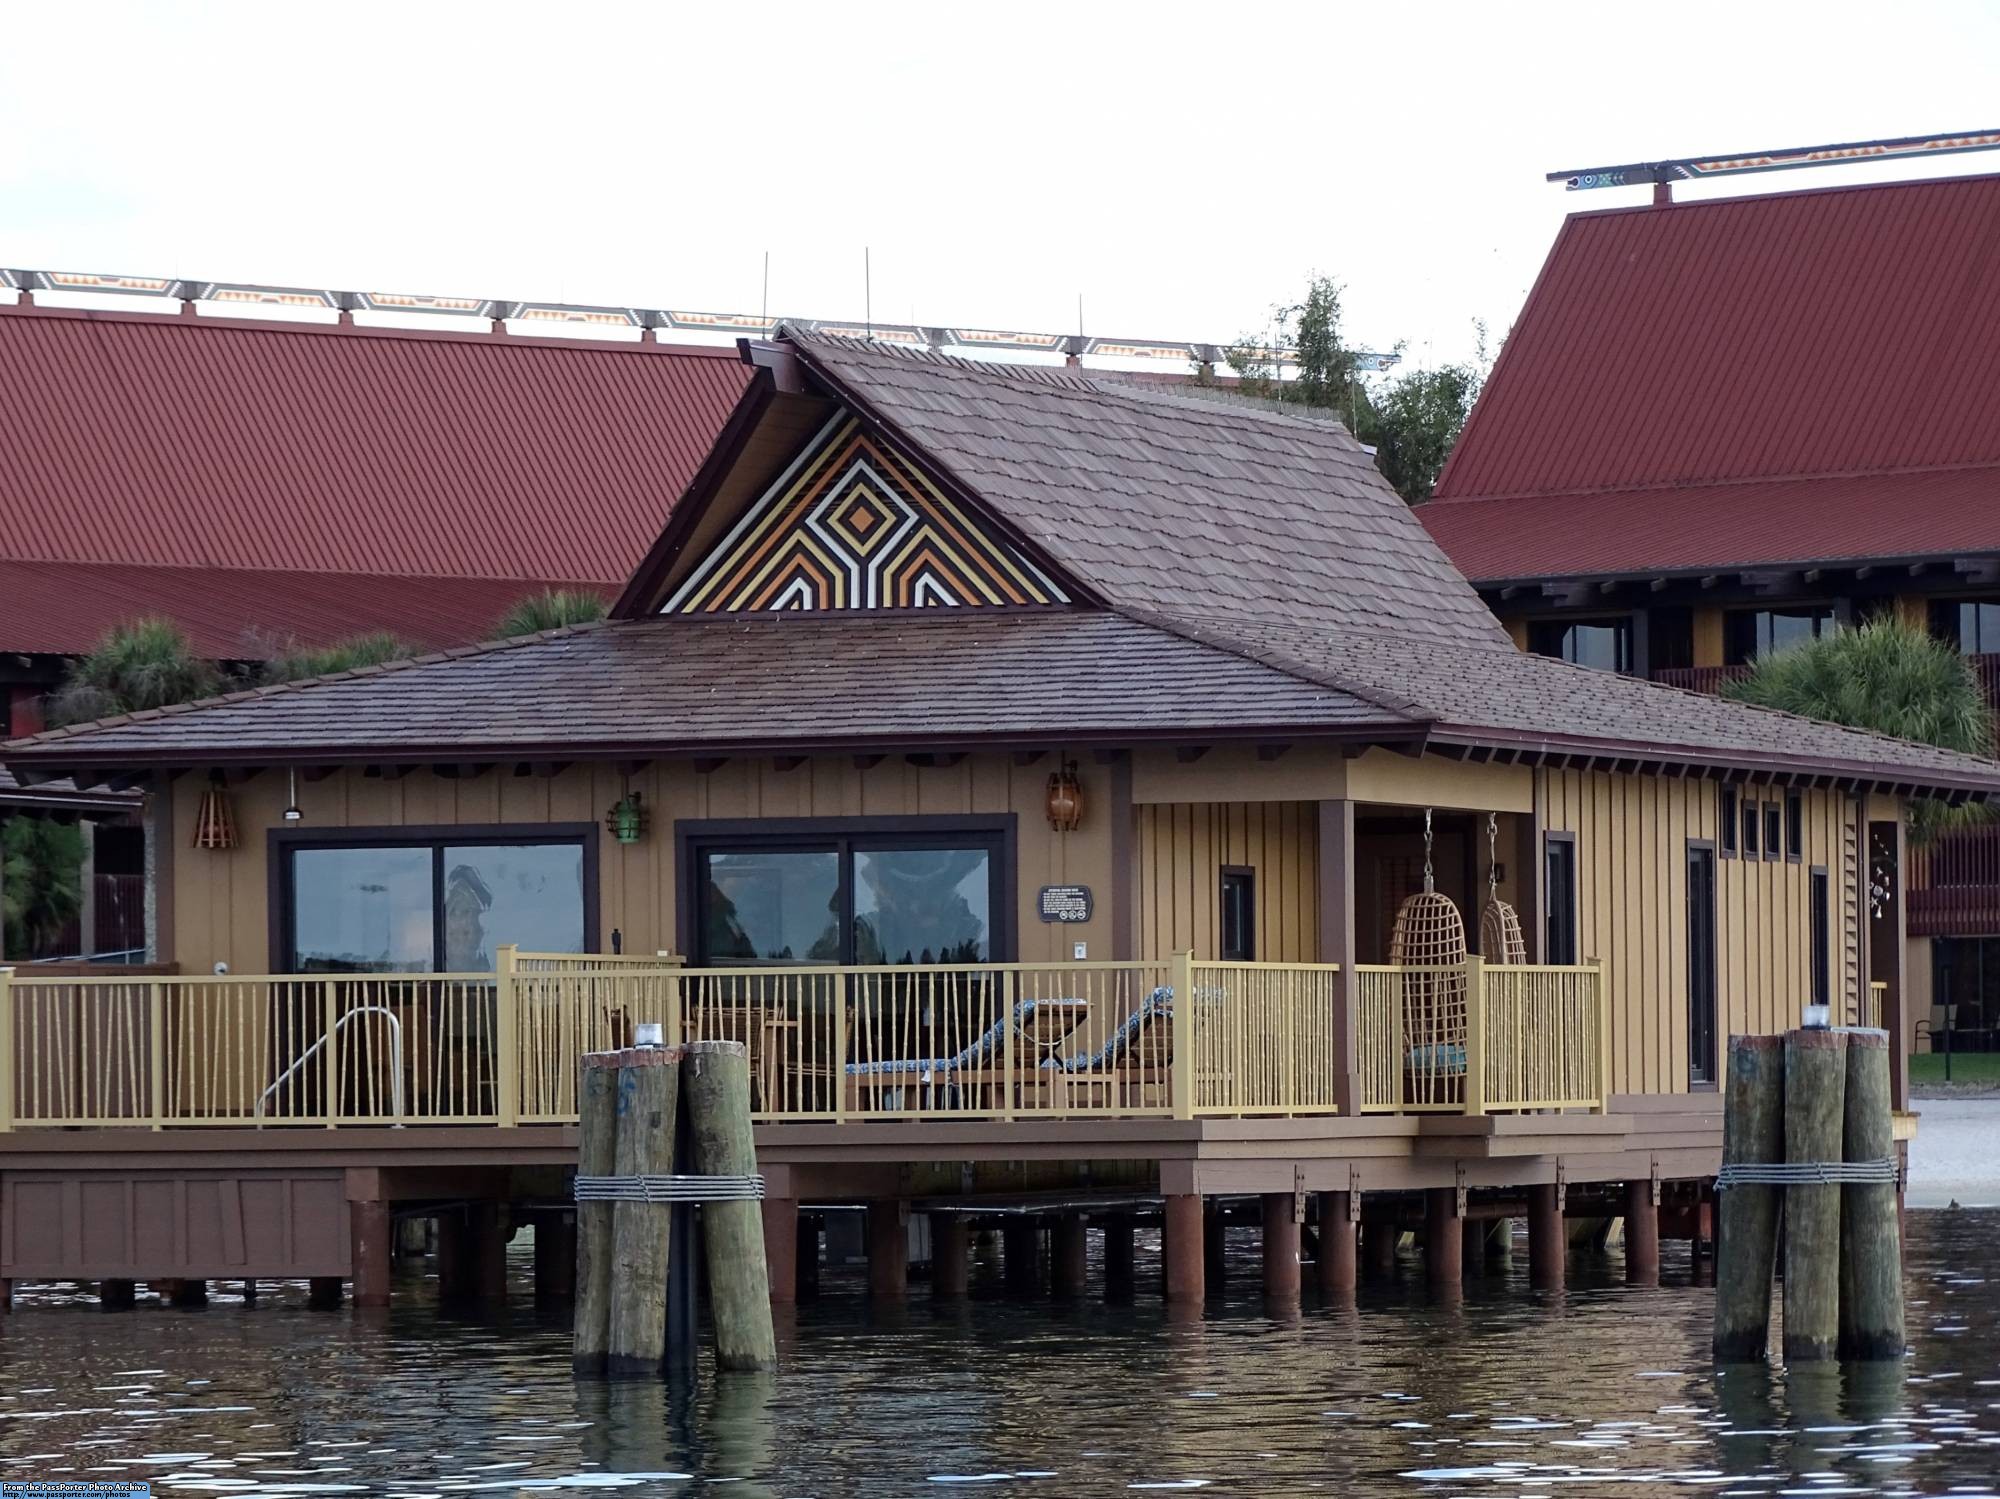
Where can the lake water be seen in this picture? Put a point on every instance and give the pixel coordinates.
(1597, 1390)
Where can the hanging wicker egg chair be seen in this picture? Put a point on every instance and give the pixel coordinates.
(1500, 936)
(1428, 944)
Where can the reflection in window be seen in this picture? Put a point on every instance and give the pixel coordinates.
(928, 905)
(362, 910)
(771, 907)
(1750, 633)
(525, 896)
(1973, 625)
(1603, 643)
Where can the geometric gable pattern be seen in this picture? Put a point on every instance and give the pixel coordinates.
(852, 524)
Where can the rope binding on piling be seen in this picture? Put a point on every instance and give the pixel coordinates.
(666, 1188)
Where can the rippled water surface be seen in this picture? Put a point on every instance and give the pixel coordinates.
(1597, 1390)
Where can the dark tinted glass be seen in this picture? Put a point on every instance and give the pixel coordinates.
(771, 907)
(361, 910)
(528, 896)
(929, 905)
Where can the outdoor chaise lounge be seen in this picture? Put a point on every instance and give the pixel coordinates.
(935, 1081)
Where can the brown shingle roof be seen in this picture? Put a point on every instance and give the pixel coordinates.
(1164, 502)
(927, 679)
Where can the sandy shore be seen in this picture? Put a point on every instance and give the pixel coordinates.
(1956, 1155)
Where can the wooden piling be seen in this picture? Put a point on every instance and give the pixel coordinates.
(490, 1227)
(555, 1257)
(1215, 1243)
(1548, 1244)
(1336, 1245)
(371, 1233)
(781, 1246)
(1815, 1092)
(1069, 1250)
(1871, 1258)
(648, 1099)
(116, 1295)
(951, 1256)
(1642, 1235)
(1281, 1246)
(1119, 1267)
(1444, 1239)
(716, 1078)
(322, 1293)
(1379, 1243)
(1021, 1256)
(811, 1231)
(1753, 1133)
(597, 1153)
(888, 1250)
(1181, 1236)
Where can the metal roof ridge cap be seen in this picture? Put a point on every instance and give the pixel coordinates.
(1828, 189)
(1970, 465)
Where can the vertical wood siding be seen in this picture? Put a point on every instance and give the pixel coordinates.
(1182, 849)
(1631, 835)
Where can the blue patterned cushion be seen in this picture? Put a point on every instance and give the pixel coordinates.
(978, 1054)
(1449, 1057)
(1159, 1004)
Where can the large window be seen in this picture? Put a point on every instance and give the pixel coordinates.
(908, 891)
(355, 904)
(1603, 643)
(1973, 625)
(1750, 633)
(1559, 873)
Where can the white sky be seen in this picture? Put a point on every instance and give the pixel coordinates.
(1181, 165)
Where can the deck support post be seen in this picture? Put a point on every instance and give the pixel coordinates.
(192, 1293)
(1379, 1244)
(1444, 1238)
(888, 1250)
(951, 1256)
(1069, 1256)
(1281, 1246)
(116, 1295)
(1336, 1244)
(488, 1228)
(1118, 1262)
(1642, 1235)
(781, 1246)
(371, 1234)
(1546, 1243)
(1472, 1245)
(555, 1257)
(1021, 1256)
(322, 1293)
(1181, 1236)
(811, 1231)
(454, 1271)
(1214, 1244)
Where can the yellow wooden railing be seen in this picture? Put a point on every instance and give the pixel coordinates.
(1874, 1004)
(1170, 1038)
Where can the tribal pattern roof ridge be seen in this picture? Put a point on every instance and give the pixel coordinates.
(852, 523)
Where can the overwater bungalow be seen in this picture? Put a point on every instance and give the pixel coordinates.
(1080, 797)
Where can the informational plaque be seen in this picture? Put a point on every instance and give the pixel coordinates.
(1066, 903)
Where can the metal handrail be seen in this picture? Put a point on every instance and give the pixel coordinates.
(395, 1053)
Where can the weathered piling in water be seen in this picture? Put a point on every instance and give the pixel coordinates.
(716, 1078)
(1871, 1256)
(648, 1094)
(1815, 1090)
(596, 1156)
(1753, 1134)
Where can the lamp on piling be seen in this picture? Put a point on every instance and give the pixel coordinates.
(1065, 803)
(214, 828)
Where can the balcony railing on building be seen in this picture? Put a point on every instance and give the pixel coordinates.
(1174, 1038)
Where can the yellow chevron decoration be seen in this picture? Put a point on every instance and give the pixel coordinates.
(853, 524)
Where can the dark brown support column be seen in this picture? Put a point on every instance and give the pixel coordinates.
(1336, 1245)
(6, 1295)
(1546, 1248)
(454, 1261)
(487, 1225)
(1214, 1244)
(1281, 1246)
(1181, 1236)
(116, 1295)
(188, 1293)
(323, 1292)
(1379, 1245)
(811, 1230)
(951, 1255)
(555, 1257)
(1337, 894)
(1021, 1256)
(781, 1246)
(1069, 1250)
(371, 1232)
(1642, 1235)
(888, 1250)
(1118, 1262)
(249, 1293)
(1472, 1245)
(1444, 1238)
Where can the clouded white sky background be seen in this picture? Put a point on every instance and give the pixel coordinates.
(1182, 166)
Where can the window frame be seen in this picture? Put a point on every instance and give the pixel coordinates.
(1728, 809)
(1774, 824)
(1623, 630)
(1246, 875)
(1795, 827)
(282, 844)
(1704, 1073)
(1820, 926)
(694, 837)
(1752, 827)
(1571, 918)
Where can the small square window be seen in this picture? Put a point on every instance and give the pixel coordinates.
(1727, 819)
(1774, 831)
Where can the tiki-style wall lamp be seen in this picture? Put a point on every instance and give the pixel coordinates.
(213, 826)
(1065, 798)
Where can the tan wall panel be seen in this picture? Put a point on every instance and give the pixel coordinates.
(1182, 850)
(1390, 779)
(1303, 773)
(1708, 637)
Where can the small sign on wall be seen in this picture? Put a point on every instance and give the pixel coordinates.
(1065, 903)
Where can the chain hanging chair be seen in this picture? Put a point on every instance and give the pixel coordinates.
(1500, 938)
(1428, 945)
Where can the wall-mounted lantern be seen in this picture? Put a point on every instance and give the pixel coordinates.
(1065, 798)
(628, 819)
(213, 826)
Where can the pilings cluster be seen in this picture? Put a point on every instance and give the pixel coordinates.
(662, 1130)
(1808, 1141)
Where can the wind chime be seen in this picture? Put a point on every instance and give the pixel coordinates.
(1427, 945)
(1500, 939)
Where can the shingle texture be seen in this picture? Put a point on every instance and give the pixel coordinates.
(681, 682)
(1164, 502)
(1793, 376)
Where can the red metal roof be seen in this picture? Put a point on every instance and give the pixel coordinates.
(315, 481)
(1828, 339)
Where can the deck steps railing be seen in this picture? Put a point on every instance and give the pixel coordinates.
(1167, 1038)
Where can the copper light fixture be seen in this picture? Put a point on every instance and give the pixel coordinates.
(213, 826)
(1065, 799)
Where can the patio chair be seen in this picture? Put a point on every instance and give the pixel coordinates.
(944, 1082)
(1136, 1057)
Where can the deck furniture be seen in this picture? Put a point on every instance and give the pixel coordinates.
(1134, 1063)
(961, 1080)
